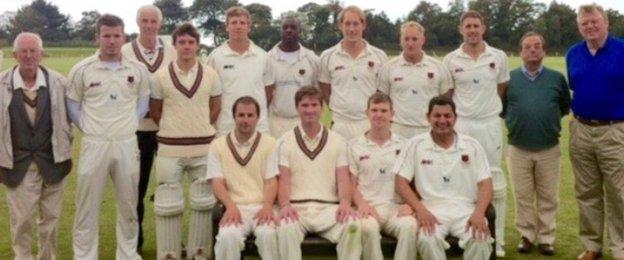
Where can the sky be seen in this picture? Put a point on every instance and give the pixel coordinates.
(126, 9)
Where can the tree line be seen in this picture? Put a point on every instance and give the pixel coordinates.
(507, 21)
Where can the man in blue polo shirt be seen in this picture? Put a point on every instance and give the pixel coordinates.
(597, 133)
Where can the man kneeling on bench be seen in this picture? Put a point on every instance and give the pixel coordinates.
(237, 164)
(314, 186)
(452, 177)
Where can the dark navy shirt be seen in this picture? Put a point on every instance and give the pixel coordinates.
(598, 80)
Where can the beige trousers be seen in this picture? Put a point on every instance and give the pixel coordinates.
(231, 239)
(453, 218)
(320, 219)
(597, 156)
(24, 201)
(280, 125)
(407, 131)
(117, 158)
(535, 178)
(404, 229)
(350, 129)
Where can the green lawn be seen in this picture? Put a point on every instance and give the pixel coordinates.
(567, 243)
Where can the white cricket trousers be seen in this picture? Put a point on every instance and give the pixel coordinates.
(99, 159)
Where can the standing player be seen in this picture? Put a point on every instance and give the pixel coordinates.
(108, 95)
(244, 68)
(294, 67)
(411, 80)
(237, 166)
(186, 99)
(371, 157)
(154, 53)
(314, 187)
(480, 74)
(348, 74)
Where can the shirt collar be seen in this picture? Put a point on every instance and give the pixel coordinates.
(18, 81)
(179, 71)
(365, 52)
(158, 47)
(421, 63)
(247, 143)
(313, 139)
(526, 73)
(458, 145)
(251, 50)
(394, 139)
(276, 50)
(100, 65)
(487, 51)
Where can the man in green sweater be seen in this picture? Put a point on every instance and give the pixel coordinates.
(536, 100)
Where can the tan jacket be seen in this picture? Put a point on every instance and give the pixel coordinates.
(61, 128)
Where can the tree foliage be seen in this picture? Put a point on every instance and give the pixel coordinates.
(209, 15)
(85, 28)
(43, 18)
(174, 13)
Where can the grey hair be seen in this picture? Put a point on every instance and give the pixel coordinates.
(149, 8)
(27, 34)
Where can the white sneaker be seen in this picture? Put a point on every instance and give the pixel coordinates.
(500, 251)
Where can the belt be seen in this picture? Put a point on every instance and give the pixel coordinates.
(594, 122)
(314, 200)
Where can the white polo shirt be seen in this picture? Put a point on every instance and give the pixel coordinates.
(372, 164)
(411, 86)
(244, 74)
(352, 81)
(290, 76)
(108, 96)
(444, 175)
(476, 81)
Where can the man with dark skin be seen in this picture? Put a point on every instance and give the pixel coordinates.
(294, 66)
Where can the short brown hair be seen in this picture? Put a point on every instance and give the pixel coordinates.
(311, 92)
(185, 29)
(378, 97)
(531, 34)
(108, 20)
(471, 14)
(246, 100)
(353, 9)
(236, 11)
(441, 101)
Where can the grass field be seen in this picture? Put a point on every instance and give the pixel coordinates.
(567, 243)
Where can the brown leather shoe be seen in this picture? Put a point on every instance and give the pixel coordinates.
(525, 246)
(546, 249)
(590, 255)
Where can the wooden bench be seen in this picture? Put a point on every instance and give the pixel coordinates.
(314, 245)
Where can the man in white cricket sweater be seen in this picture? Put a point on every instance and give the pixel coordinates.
(314, 187)
(371, 157)
(237, 166)
(185, 100)
(154, 53)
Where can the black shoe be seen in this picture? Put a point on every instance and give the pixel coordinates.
(546, 249)
(525, 246)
